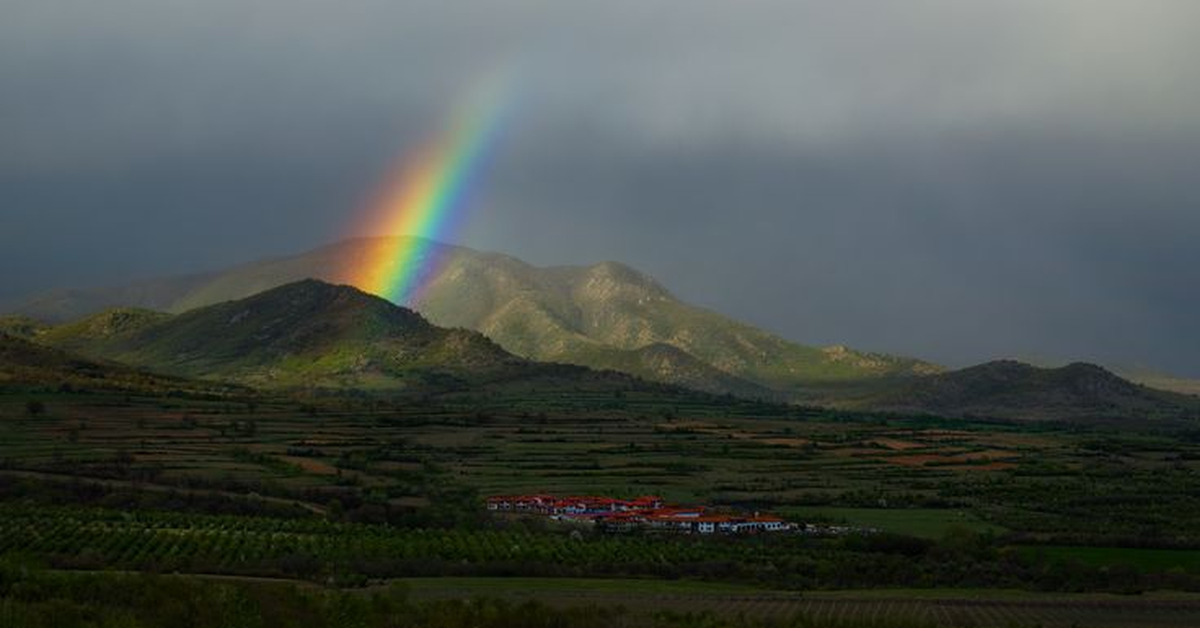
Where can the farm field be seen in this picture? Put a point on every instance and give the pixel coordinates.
(908, 475)
(216, 601)
(943, 607)
(357, 494)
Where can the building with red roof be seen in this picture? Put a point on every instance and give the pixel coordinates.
(647, 511)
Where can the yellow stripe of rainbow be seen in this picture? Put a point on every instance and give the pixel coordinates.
(427, 195)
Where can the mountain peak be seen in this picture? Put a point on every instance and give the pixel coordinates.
(1096, 380)
(1008, 371)
(310, 288)
(612, 281)
(1087, 369)
(1001, 369)
(301, 333)
(315, 289)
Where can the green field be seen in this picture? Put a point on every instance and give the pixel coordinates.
(35, 597)
(1137, 558)
(932, 475)
(922, 522)
(361, 491)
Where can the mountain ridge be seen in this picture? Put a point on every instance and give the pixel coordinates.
(311, 334)
(1010, 389)
(603, 315)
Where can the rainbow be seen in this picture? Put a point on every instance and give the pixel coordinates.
(428, 194)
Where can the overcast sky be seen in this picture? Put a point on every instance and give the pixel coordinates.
(957, 180)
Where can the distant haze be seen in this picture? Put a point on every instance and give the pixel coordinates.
(947, 179)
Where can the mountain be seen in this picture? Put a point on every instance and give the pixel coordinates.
(1015, 390)
(606, 315)
(1136, 373)
(306, 333)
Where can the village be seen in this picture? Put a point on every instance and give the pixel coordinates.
(642, 513)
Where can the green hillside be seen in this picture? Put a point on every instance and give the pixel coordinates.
(605, 315)
(301, 334)
(664, 362)
(565, 313)
(25, 365)
(102, 332)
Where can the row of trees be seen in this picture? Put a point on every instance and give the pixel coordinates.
(354, 553)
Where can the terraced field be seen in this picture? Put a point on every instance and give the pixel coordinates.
(358, 491)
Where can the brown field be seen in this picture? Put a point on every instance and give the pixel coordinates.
(958, 460)
(899, 445)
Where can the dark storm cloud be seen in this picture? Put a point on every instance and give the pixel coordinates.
(948, 179)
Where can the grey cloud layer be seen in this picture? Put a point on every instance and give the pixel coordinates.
(951, 179)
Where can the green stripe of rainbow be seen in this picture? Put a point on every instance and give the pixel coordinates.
(426, 197)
